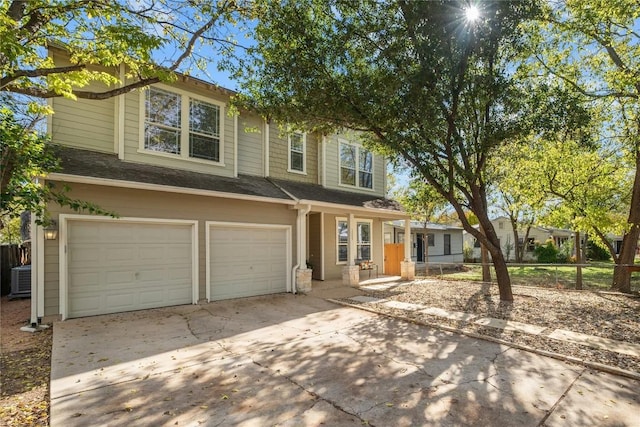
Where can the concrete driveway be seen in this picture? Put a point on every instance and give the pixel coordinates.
(299, 360)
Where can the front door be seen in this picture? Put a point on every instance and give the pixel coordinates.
(420, 247)
(393, 255)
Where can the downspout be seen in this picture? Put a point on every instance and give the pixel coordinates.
(303, 210)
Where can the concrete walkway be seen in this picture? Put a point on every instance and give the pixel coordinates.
(300, 360)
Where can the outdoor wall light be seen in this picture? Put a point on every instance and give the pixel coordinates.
(51, 231)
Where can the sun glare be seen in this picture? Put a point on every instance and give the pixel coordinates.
(472, 13)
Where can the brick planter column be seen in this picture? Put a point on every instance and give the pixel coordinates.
(303, 280)
(351, 275)
(408, 270)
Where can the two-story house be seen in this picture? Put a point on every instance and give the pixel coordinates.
(209, 205)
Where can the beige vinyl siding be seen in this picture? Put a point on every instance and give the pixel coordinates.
(250, 143)
(51, 283)
(333, 168)
(156, 204)
(83, 123)
(279, 157)
(133, 152)
(332, 270)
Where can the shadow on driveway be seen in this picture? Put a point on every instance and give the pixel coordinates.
(299, 360)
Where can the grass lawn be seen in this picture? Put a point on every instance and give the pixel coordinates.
(594, 277)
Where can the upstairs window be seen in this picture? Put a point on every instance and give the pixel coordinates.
(204, 130)
(297, 152)
(356, 166)
(182, 125)
(162, 126)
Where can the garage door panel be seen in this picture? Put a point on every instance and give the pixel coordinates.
(247, 261)
(116, 266)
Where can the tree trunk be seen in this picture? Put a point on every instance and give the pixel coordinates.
(486, 270)
(484, 258)
(499, 263)
(502, 276)
(622, 276)
(425, 249)
(578, 261)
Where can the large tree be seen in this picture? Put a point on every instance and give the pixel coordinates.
(594, 47)
(149, 39)
(424, 81)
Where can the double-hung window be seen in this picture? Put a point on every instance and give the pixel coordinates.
(181, 125)
(297, 152)
(363, 240)
(356, 166)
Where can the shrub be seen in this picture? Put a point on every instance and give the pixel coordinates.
(547, 253)
(467, 252)
(596, 252)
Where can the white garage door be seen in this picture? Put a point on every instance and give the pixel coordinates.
(247, 260)
(115, 266)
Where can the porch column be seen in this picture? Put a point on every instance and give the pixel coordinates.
(302, 273)
(351, 271)
(407, 267)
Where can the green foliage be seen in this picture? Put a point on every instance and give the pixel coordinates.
(420, 200)
(596, 252)
(467, 252)
(10, 230)
(27, 156)
(424, 84)
(151, 39)
(547, 253)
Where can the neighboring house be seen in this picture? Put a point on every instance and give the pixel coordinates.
(504, 230)
(210, 205)
(616, 241)
(440, 244)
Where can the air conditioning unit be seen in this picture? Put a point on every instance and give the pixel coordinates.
(20, 282)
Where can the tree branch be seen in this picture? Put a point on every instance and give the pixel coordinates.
(42, 72)
(43, 93)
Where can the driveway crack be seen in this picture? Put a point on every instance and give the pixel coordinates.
(560, 399)
(314, 394)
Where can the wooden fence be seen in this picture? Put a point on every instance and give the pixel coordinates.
(10, 256)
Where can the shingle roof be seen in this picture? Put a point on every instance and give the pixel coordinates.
(101, 165)
(314, 192)
(87, 163)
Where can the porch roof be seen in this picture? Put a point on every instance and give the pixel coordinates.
(314, 193)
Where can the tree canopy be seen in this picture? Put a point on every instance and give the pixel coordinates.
(421, 81)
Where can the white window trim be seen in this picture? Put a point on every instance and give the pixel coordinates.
(304, 153)
(357, 184)
(184, 134)
(338, 262)
(357, 220)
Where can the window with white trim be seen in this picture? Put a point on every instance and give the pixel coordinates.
(342, 240)
(363, 240)
(356, 166)
(182, 125)
(297, 152)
